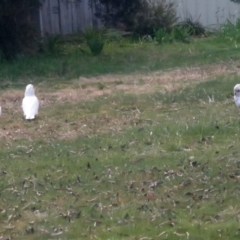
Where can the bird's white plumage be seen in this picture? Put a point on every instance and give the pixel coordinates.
(236, 92)
(30, 103)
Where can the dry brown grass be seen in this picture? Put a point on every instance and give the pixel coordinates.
(14, 127)
(76, 95)
(146, 83)
(131, 83)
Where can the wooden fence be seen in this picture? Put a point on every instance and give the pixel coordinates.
(211, 13)
(66, 16)
(73, 16)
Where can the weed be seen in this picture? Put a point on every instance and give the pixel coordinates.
(195, 28)
(95, 45)
(94, 40)
(50, 45)
(181, 34)
(161, 36)
(154, 15)
(230, 32)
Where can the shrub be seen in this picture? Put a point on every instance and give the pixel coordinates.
(181, 34)
(50, 45)
(95, 45)
(162, 36)
(230, 31)
(142, 17)
(195, 28)
(155, 15)
(95, 40)
(118, 12)
(17, 33)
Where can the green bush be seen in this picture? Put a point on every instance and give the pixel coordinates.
(142, 17)
(195, 28)
(230, 31)
(95, 40)
(181, 34)
(155, 15)
(50, 45)
(119, 12)
(162, 36)
(95, 45)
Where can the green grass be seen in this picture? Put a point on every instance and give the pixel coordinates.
(75, 60)
(156, 165)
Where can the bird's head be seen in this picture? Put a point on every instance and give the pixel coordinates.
(29, 90)
(236, 90)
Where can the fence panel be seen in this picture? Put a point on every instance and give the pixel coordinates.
(211, 13)
(69, 16)
(65, 17)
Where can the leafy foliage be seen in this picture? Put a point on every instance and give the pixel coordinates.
(181, 34)
(162, 36)
(155, 15)
(95, 45)
(142, 17)
(50, 45)
(230, 31)
(94, 40)
(16, 27)
(195, 28)
(119, 11)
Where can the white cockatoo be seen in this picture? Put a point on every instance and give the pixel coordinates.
(30, 103)
(236, 92)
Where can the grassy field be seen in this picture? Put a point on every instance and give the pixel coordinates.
(139, 143)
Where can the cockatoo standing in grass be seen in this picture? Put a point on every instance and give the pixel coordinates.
(30, 103)
(236, 92)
